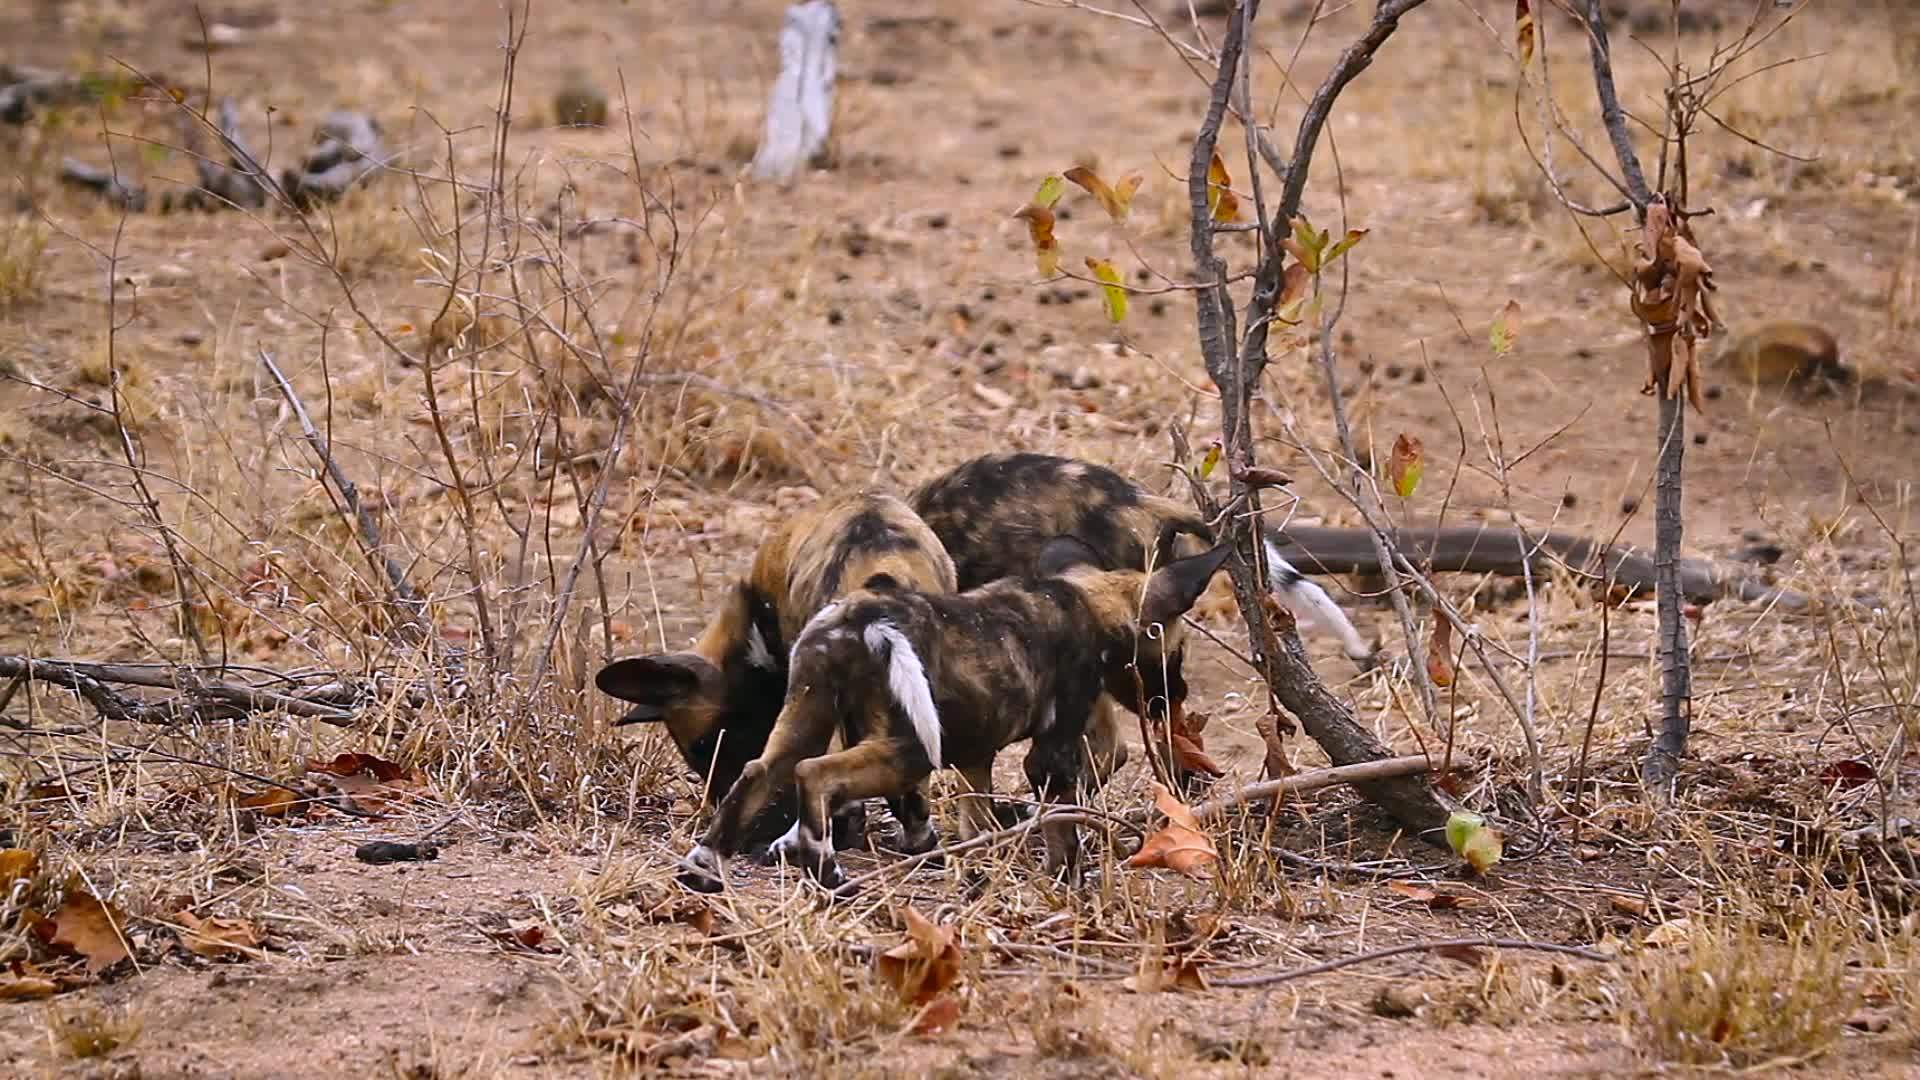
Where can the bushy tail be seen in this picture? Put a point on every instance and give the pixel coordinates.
(1312, 608)
(907, 680)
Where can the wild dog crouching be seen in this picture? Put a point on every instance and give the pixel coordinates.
(918, 681)
(718, 701)
(993, 514)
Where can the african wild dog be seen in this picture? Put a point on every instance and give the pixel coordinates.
(918, 681)
(994, 512)
(719, 701)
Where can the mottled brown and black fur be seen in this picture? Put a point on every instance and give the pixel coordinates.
(719, 700)
(993, 513)
(919, 681)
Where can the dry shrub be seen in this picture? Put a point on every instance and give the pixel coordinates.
(1745, 985)
(91, 1031)
(23, 246)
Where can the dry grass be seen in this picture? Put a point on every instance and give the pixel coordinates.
(469, 362)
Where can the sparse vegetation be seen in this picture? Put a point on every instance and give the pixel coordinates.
(574, 374)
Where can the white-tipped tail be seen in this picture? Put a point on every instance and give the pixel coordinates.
(1312, 608)
(907, 679)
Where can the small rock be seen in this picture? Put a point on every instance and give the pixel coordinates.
(1083, 378)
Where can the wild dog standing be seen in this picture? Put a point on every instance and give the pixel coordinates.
(918, 681)
(719, 701)
(994, 513)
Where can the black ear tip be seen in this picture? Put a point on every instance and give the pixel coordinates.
(610, 678)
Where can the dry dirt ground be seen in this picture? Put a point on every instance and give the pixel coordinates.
(878, 322)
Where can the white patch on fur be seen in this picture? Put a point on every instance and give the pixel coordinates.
(705, 859)
(758, 655)
(788, 847)
(1312, 608)
(907, 679)
(825, 615)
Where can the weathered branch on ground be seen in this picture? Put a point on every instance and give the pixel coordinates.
(1235, 367)
(198, 699)
(1458, 946)
(400, 592)
(346, 150)
(1481, 549)
(1300, 783)
(800, 106)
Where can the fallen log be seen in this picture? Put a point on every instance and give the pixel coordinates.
(1480, 549)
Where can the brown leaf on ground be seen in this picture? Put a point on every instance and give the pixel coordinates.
(217, 938)
(531, 936)
(15, 864)
(1435, 899)
(371, 784)
(21, 981)
(936, 1016)
(87, 927)
(1157, 972)
(273, 802)
(923, 966)
(1180, 845)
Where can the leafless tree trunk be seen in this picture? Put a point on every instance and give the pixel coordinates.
(800, 108)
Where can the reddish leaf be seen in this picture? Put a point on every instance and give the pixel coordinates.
(1466, 954)
(21, 981)
(1847, 773)
(1189, 748)
(91, 929)
(373, 785)
(1440, 651)
(1221, 200)
(273, 802)
(351, 763)
(531, 936)
(936, 1016)
(1046, 249)
(1180, 845)
(925, 965)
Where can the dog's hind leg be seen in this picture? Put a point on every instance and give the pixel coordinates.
(877, 767)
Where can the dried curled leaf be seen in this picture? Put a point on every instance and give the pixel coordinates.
(1221, 201)
(1502, 334)
(1117, 199)
(1184, 732)
(1046, 250)
(372, 784)
(21, 981)
(1115, 293)
(1211, 461)
(218, 938)
(925, 965)
(273, 802)
(88, 927)
(1440, 651)
(1524, 30)
(1180, 845)
(1435, 899)
(1405, 465)
(16, 864)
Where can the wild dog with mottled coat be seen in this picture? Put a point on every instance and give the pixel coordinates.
(994, 512)
(719, 700)
(918, 681)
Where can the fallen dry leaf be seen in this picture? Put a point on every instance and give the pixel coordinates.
(372, 784)
(1628, 905)
(21, 981)
(273, 802)
(1672, 932)
(936, 1016)
(1435, 899)
(16, 864)
(531, 936)
(1157, 972)
(217, 938)
(1180, 845)
(923, 966)
(90, 928)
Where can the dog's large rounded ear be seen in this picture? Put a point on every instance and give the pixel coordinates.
(1063, 553)
(1173, 588)
(656, 681)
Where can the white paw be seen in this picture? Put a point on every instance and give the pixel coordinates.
(788, 847)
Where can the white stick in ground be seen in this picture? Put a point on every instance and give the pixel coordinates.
(800, 108)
